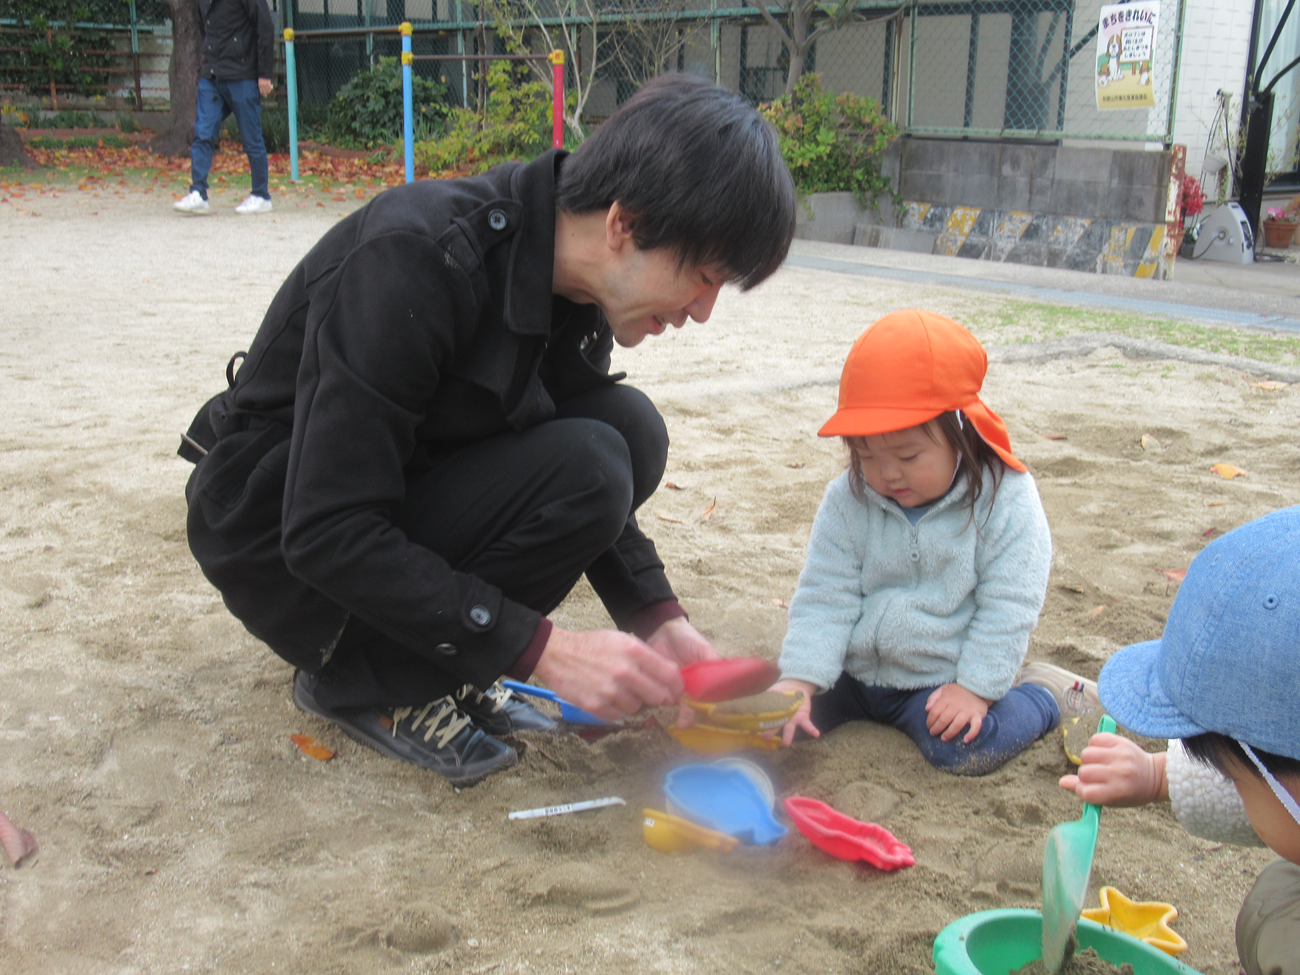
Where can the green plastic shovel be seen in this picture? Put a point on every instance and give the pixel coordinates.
(1067, 865)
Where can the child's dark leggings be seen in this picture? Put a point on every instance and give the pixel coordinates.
(1023, 715)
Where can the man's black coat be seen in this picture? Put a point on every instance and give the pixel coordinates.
(238, 39)
(421, 322)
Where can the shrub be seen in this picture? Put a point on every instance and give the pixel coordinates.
(367, 111)
(516, 124)
(832, 142)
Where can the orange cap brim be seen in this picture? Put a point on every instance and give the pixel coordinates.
(850, 422)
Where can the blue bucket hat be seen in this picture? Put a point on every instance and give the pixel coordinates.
(1229, 658)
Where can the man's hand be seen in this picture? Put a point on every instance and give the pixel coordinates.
(1117, 772)
(265, 86)
(680, 642)
(951, 708)
(608, 673)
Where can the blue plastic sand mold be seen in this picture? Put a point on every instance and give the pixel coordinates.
(723, 799)
(569, 712)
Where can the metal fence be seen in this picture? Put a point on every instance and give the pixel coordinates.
(117, 61)
(962, 68)
(974, 68)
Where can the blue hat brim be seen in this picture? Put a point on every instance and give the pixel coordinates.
(1130, 690)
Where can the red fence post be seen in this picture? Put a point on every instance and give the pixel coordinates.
(557, 88)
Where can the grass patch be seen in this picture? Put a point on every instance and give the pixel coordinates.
(1019, 322)
(81, 142)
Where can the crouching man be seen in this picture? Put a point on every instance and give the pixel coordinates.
(423, 449)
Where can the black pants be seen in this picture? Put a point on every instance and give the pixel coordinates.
(527, 512)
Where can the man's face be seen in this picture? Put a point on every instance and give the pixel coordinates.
(646, 292)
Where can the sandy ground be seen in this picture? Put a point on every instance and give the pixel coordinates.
(145, 733)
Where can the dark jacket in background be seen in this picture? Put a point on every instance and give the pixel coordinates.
(417, 324)
(238, 39)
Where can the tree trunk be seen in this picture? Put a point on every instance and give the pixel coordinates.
(11, 148)
(182, 78)
(799, 16)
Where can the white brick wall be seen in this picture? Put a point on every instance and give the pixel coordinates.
(1216, 44)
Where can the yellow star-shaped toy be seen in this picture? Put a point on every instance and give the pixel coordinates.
(1145, 920)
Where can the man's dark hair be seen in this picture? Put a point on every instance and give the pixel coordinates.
(1221, 752)
(699, 172)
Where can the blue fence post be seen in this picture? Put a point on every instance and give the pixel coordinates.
(291, 82)
(408, 121)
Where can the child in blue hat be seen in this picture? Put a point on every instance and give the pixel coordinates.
(1223, 682)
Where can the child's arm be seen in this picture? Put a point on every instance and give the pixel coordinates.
(827, 604)
(1116, 772)
(1012, 560)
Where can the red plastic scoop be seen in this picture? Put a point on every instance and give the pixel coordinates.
(846, 838)
(711, 681)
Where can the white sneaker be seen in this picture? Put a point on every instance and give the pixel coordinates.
(254, 204)
(192, 202)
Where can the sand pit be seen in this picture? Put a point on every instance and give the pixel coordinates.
(145, 733)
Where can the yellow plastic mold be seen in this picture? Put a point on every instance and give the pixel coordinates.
(721, 715)
(1145, 920)
(672, 834)
(707, 740)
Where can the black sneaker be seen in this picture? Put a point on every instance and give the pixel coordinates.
(498, 712)
(437, 736)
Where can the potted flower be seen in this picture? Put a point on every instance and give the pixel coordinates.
(1279, 228)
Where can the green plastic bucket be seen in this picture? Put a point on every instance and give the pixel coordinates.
(999, 942)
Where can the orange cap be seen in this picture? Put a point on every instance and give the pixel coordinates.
(908, 368)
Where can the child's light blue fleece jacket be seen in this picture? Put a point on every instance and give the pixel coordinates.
(947, 600)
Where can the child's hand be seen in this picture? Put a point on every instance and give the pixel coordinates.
(951, 708)
(801, 718)
(1116, 772)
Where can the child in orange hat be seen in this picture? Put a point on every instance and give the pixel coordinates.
(928, 561)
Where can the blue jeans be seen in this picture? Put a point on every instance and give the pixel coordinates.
(217, 101)
(1023, 715)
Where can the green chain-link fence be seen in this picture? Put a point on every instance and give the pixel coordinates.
(113, 52)
(985, 68)
(980, 68)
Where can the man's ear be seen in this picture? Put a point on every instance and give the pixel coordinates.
(618, 227)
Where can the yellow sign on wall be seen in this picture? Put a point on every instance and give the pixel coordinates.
(1126, 43)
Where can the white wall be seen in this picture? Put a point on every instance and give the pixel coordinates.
(1216, 44)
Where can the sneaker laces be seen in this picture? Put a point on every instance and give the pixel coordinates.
(455, 720)
(498, 694)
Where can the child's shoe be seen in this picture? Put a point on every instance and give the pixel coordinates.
(1077, 699)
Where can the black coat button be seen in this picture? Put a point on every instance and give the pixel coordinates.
(480, 615)
(446, 649)
(497, 219)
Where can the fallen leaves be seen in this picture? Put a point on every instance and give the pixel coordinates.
(312, 748)
(1078, 589)
(1096, 611)
(19, 844)
(1052, 436)
(1227, 471)
(663, 517)
(708, 512)
(1150, 443)
(671, 486)
(779, 602)
(1270, 384)
(1173, 575)
(1208, 532)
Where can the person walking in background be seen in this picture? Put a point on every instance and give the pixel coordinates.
(238, 58)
